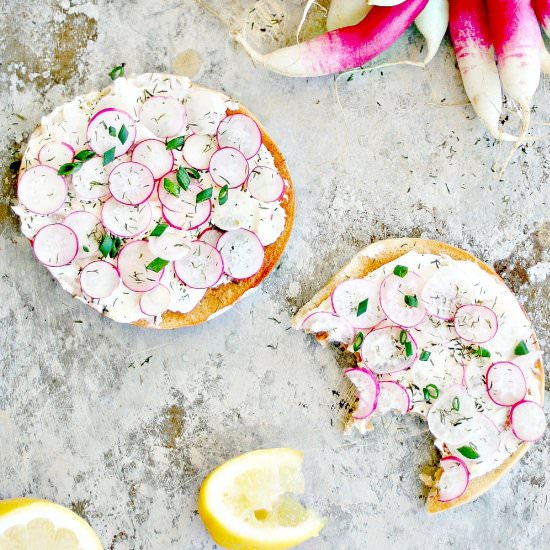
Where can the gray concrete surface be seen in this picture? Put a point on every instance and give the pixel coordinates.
(122, 424)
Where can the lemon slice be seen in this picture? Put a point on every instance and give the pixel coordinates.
(246, 503)
(31, 524)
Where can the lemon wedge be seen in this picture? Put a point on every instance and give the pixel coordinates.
(32, 524)
(246, 503)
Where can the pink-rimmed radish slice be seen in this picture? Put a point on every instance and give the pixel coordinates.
(454, 480)
(173, 244)
(91, 182)
(242, 253)
(153, 154)
(156, 301)
(265, 184)
(99, 279)
(505, 383)
(100, 128)
(163, 116)
(347, 296)
(211, 235)
(484, 441)
(55, 245)
(125, 221)
(131, 183)
(394, 292)
(55, 154)
(527, 420)
(184, 212)
(41, 190)
(198, 150)
(384, 350)
(201, 268)
(476, 323)
(89, 231)
(240, 132)
(228, 166)
(393, 397)
(368, 390)
(336, 328)
(132, 262)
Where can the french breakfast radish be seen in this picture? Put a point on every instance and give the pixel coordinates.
(343, 13)
(432, 22)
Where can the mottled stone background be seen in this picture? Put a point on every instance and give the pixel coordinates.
(121, 424)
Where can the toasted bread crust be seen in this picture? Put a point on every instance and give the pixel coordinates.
(371, 258)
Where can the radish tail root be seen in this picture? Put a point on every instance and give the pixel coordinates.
(526, 122)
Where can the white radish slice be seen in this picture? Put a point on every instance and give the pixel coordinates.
(336, 328)
(55, 245)
(476, 323)
(453, 416)
(393, 397)
(211, 235)
(132, 262)
(88, 230)
(484, 440)
(91, 182)
(384, 350)
(163, 116)
(368, 390)
(156, 301)
(265, 184)
(55, 154)
(198, 150)
(393, 293)
(505, 383)
(239, 211)
(242, 253)
(454, 480)
(240, 132)
(527, 420)
(131, 183)
(41, 190)
(125, 221)
(99, 279)
(347, 296)
(205, 109)
(229, 167)
(98, 135)
(202, 268)
(184, 212)
(173, 244)
(153, 154)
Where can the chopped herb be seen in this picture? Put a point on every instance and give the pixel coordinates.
(106, 245)
(109, 156)
(183, 178)
(403, 337)
(411, 300)
(408, 348)
(223, 195)
(159, 230)
(482, 352)
(69, 168)
(85, 248)
(193, 173)
(362, 307)
(85, 155)
(456, 404)
(123, 134)
(157, 264)
(431, 391)
(175, 143)
(172, 187)
(425, 355)
(358, 340)
(117, 71)
(400, 270)
(112, 131)
(204, 195)
(468, 452)
(521, 348)
(117, 243)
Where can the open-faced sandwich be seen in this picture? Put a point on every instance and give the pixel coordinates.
(155, 201)
(437, 333)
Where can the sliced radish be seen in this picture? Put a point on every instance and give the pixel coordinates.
(393, 396)
(132, 262)
(484, 440)
(173, 244)
(475, 323)
(99, 279)
(395, 292)
(101, 127)
(347, 296)
(55, 154)
(153, 154)
(202, 268)
(265, 184)
(41, 190)
(125, 221)
(505, 383)
(131, 183)
(198, 150)
(228, 166)
(384, 350)
(527, 420)
(156, 301)
(211, 235)
(55, 245)
(336, 328)
(454, 480)
(91, 182)
(89, 231)
(238, 212)
(240, 132)
(205, 109)
(163, 116)
(368, 390)
(242, 253)
(183, 211)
